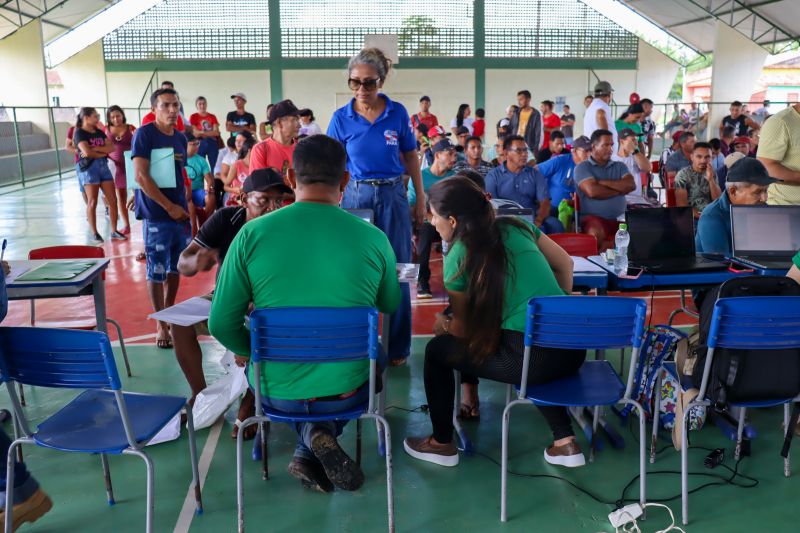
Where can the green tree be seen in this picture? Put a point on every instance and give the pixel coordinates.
(419, 37)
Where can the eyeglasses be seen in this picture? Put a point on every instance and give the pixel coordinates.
(369, 85)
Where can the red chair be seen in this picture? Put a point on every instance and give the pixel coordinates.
(83, 322)
(577, 244)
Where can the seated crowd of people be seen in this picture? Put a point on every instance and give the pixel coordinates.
(267, 214)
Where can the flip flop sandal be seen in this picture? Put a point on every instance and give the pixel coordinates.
(469, 412)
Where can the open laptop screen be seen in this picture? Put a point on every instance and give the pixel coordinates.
(660, 233)
(765, 230)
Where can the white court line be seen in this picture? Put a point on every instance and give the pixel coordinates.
(131, 340)
(188, 509)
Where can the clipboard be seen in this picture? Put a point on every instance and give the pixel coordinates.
(162, 168)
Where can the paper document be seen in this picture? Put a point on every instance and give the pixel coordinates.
(187, 313)
(581, 264)
(407, 272)
(162, 168)
(56, 271)
(16, 271)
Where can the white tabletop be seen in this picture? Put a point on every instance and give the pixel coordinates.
(18, 290)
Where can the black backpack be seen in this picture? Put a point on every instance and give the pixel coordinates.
(742, 375)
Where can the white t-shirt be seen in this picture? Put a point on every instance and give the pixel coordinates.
(590, 120)
(467, 123)
(636, 196)
(223, 153)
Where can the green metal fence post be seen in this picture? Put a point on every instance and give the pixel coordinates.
(479, 52)
(275, 52)
(18, 142)
(55, 142)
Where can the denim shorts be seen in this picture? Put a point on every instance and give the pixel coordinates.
(199, 197)
(97, 173)
(164, 240)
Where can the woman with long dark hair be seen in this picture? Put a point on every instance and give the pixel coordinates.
(495, 265)
(237, 173)
(463, 118)
(93, 149)
(120, 133)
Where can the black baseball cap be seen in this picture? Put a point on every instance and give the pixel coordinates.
(582, 143)
(624, 133)
(461, 130)
(284, 108)
(425, 99)
(422, 128)
(749, 170)
(442, 145)
(263, 179)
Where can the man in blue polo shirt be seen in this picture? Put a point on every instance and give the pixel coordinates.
(602, 185)
(559, 171)
(746, 184)
(514, 180)
(444, 159)
(164, 210)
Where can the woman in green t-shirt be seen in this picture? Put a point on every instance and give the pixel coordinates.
(495, 265)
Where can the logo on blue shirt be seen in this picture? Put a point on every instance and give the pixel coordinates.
(391, 137)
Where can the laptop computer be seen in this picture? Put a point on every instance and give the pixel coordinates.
(662, 241)
(765, 236)
(364, 214)
(525, 214)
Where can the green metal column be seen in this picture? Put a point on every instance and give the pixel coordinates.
(18, 143)
(275, 52)
(479, 31)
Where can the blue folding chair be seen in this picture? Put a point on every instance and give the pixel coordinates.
(581, 322)
(103, 419)
(316, 335)
(744, 323)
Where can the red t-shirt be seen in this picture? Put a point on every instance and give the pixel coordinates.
(151, 117)
(271, 154)
(553, 121)
(479, 127)
(203, 123)
(431, 121)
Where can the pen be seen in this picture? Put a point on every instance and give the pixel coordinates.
(3, 251)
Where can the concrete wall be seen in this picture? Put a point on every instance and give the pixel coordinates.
(22, 74)
(84, 79)
(126, 88)
(738, 63)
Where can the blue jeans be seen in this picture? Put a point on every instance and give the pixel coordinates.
(552, 225)
(304, 429)
(389, 203)
(24, 484)
(164, 240)
(210, 149)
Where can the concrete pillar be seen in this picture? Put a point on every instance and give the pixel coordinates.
(22, 70)
(84, 78)
(738, 62)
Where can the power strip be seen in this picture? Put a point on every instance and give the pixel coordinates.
(625, 515)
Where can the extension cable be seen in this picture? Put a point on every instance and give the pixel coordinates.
(625, 518)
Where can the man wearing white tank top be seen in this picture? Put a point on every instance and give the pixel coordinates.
(598, 115)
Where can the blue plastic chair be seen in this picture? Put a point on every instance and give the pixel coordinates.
(317, 335)
(103, 419)
(745, 323)
(581, 322)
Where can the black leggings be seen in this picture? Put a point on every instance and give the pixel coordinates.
(445, 353)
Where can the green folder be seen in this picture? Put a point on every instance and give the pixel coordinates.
(57, 271)
(162, 168)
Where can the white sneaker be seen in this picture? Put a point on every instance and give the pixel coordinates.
(568, 455)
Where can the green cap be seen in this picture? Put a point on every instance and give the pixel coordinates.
(623, 226)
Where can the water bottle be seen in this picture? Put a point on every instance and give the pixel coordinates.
(621, 241)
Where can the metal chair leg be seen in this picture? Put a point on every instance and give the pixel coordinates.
(739, 431)
(387, 438)
(595, 421)
(263, 430)
(150, 487)
(787, 467)
(21, 395)
(656, 416)
(685, 463)
(466, 444)
(198, 498)
(9, 521)
(504, 459)
(509, 390)
(121, 345)
(107, 478)
(239, 470)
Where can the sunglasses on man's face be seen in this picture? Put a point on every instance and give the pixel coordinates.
(369, 85)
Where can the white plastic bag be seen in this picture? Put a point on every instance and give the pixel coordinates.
(169, 432)
(214, 400)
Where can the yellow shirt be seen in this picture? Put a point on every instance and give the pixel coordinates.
(780, 140)
(524, 117)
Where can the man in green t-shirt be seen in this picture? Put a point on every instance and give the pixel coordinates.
(309, 254)
(444, 159)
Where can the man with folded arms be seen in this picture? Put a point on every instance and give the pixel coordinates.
(309, 254)
(262, 192)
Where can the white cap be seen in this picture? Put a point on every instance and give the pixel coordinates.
(240, 95)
